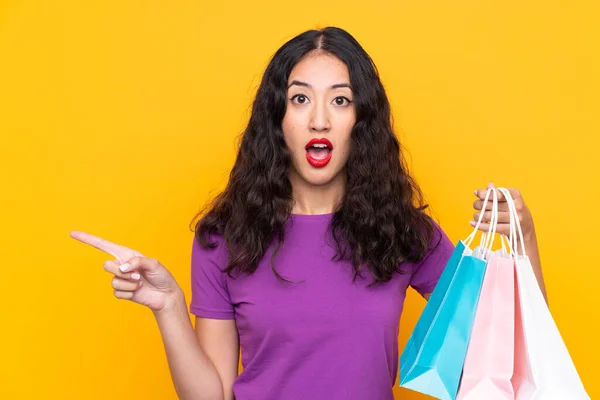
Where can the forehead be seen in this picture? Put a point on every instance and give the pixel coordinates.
(320, 69)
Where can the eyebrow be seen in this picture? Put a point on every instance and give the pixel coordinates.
(336, 86)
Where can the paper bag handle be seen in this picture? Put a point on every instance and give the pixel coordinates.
(514, 223)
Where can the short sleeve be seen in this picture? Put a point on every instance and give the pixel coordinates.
(426, 273)
(210, 295)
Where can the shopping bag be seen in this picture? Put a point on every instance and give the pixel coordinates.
(432, 360)
(489, 361)
(551, 371)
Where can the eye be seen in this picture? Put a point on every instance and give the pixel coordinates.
(341, 101)
(300, 99)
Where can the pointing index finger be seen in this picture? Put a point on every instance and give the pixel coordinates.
(121, 253)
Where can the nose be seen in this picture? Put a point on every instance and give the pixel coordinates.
(319, 119)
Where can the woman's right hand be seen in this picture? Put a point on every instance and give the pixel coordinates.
(137, 278)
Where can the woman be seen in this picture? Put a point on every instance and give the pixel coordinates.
(305, 258)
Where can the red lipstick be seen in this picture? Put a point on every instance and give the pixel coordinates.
(319, 152)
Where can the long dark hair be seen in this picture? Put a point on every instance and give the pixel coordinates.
(381, 221)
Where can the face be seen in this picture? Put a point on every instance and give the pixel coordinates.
(319, 118)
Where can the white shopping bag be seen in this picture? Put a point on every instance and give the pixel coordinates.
(551, 374)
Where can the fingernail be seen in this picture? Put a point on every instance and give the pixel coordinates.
(124, 267)
(472, 223)
(476, 193)
(135, 276)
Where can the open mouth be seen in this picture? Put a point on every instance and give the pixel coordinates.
(318, 152)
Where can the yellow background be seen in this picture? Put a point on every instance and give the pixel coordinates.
(121, 118)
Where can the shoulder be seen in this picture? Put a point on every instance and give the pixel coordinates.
(426, 272)
(440, 247)
(210, 291)
(214, 254)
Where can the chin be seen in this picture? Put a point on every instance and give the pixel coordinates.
(319, 177)
(319, 181)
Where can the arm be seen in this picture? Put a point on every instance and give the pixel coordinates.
(216, 330)
(195, 369)
(533, 252)
(194, 375)
(220, 341)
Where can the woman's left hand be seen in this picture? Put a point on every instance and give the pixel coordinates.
(529, 238)
(503, 216)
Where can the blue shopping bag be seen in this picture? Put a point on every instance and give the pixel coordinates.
(433, 358)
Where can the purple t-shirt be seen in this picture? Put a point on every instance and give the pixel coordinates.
(323, 338)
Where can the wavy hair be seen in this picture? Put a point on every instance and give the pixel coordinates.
(381, 221)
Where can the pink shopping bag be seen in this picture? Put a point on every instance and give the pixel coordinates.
(489, 363)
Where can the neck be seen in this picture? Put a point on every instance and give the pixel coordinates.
(317, 199)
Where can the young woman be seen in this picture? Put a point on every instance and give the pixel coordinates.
(305, 258)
